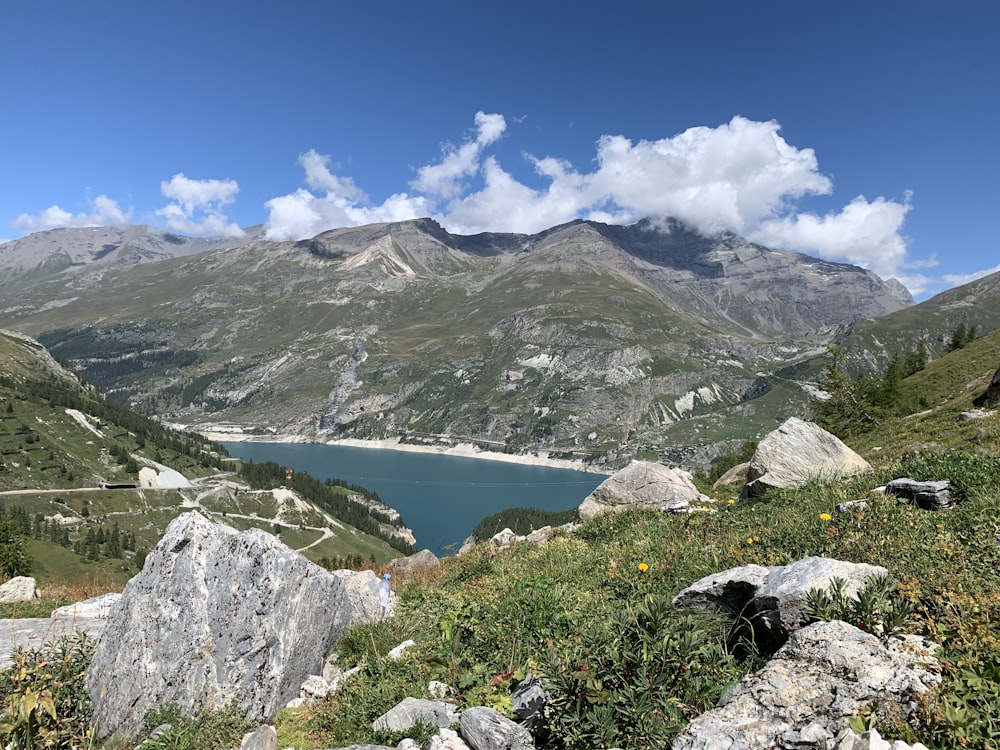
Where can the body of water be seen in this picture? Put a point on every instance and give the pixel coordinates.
(441, 498)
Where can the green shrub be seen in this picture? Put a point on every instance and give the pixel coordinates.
(43, 698)
(875, 609)
(635, 678)
(209, 730)
(521, 521)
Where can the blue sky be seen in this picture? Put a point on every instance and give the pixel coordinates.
(856, 131)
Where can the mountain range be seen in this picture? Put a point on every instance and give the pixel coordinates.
(585, 340)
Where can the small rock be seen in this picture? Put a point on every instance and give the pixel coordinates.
(486, 728)
(18, 589)
(412, 711)
(397, 652)
(407, 567)
(927, 495)
(528, 701)
(446, 739)
(965, 416)
(852, 505)
(264, 738)
(438, 689)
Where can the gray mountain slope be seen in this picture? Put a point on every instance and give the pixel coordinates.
(585, 338)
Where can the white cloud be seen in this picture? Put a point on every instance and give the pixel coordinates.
(957, 279)
(868, 234)
(196, 206)
(444, 178)
(103, 212)
(741, 176)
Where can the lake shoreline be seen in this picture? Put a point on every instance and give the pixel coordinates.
(459, 450)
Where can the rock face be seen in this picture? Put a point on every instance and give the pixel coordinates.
(219, 618)
(642, 484)
(18, 589)
(797, 452)
(773, 598)
(803, 697)
(991, 397)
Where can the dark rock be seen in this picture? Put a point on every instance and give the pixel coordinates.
(772, 599)
(991, 397)
(528, 701)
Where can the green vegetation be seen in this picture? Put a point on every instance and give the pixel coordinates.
(44, 704)
(521, 521)
(334, 496)
(209, 730)
(589, 613)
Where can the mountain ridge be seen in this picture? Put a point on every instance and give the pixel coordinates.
(586, 339)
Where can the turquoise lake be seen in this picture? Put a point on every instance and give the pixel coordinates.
(441, 498)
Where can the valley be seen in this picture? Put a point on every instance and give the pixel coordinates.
(587, 342)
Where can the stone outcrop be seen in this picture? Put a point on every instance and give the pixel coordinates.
(934, 495)
(642, 484)
(991, 396)
(795, 453)
(219, 618)
(804, 696)
(773, 598)
(18, 589)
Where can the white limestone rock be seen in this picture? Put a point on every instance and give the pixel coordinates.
(642, 484)
(806, 694)
(218, 618)
(18, 589)
(795, 453)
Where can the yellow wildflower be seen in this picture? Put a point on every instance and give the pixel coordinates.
(825, 516)
(750, 540)
(731, 501)
(643, 567)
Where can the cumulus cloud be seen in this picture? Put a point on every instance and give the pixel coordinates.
(333, 201)
(445, 178)
(103, 212)
(866, 233)
(957, 279)
(196, 206)
(741, 176)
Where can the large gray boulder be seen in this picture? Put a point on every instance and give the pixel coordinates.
(642, 484)
(805, 695)
(218, 618)
(772, 599)
(795, 453)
